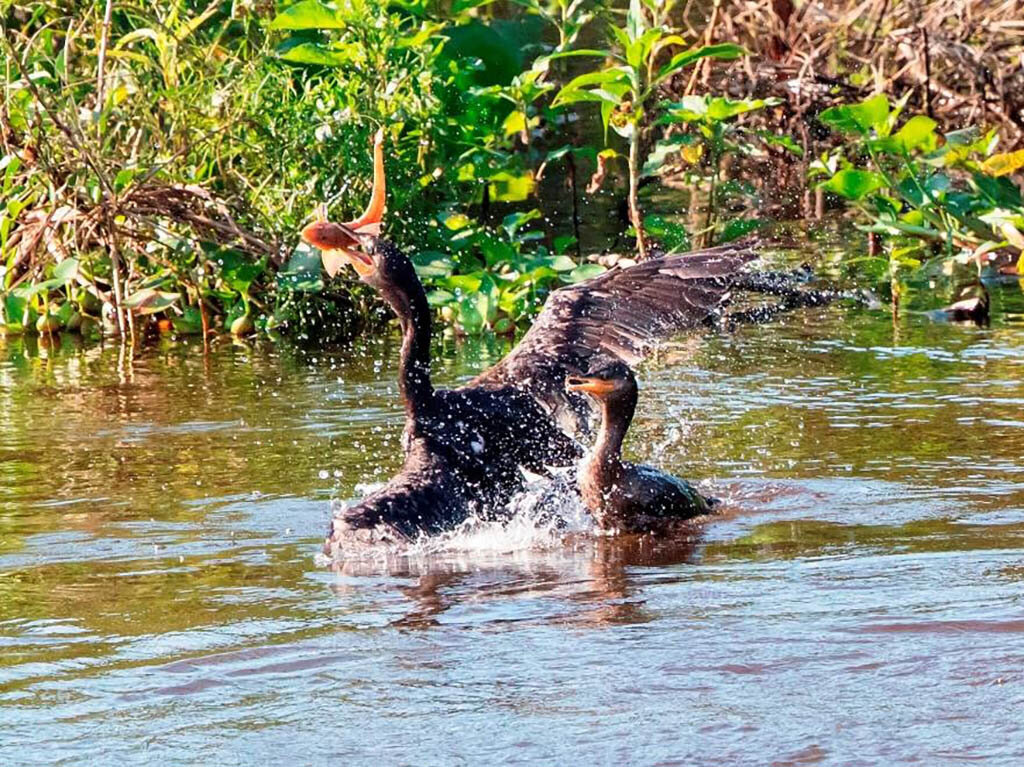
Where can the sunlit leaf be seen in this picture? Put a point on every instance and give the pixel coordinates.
(858, 118)
(724, 51)
(312, 53)
(854, 184)
(1004, 164)
(511, 187)
(66, 270)
(918, 131)
(308, 14)
(150, 301)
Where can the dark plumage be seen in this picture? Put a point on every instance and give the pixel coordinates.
(624, 496)
(464, 448)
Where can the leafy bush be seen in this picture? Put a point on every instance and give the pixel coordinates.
(926, 191)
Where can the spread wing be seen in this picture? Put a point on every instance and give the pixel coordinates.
(621, 314)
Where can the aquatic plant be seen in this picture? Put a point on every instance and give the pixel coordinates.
(712, 134)
(928, 193)
(627, 85)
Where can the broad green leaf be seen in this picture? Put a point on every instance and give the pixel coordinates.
(778, 139)
(463, 283)
(663, 150)
(302, 273)
(918, 131)
(511, 187)
(854, 184)
(562, 264)
(66, 270)
(438, 298)
(430, 263)
(308, 14)
(1000, 190)
(723, 108)
(738, 227)
(585, 272)
(312, 53)
(858, 118)
(12, 311)
(724, 51)
(457, 221)
(1004, 164)
(513, 222)
(514, 123)
(150, 301)
(671, 234)
(470, 317)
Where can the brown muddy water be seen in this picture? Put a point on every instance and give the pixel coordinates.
(859, 601)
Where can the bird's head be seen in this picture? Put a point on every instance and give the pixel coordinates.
(607, 382)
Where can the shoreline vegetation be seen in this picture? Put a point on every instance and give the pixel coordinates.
(157, 161)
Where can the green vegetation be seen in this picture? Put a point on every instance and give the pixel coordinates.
(928, 193)
(158, 160)
(626, 86)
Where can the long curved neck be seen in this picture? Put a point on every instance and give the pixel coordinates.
(408, 300)
(616, 415)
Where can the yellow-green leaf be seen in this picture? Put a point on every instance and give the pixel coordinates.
(1004, 164)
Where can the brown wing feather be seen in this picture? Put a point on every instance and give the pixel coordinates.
(621, 314)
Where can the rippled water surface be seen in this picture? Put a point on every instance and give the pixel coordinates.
(859, 601)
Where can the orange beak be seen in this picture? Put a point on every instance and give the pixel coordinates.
(595, 386)
(340, 242)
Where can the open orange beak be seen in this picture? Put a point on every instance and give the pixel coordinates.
(339, 243)
(595, 386)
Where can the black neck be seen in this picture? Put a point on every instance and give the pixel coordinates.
(408, 300)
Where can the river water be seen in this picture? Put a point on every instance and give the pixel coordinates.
(858, 601)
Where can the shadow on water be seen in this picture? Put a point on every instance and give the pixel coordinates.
(160, 597)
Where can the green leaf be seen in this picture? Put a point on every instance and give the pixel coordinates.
(438, 298)
(1000, 190)
(236, 271)
(430, 263)
(601, 77)
(724, 51)
(66, 270)
(308, 14)
(858, 118)
(510, 187)
(562, 264)
(150, 301)
(513, 222)
(854, 184)
(777, 139)
(738, 227)
(313, 53)
(584, 272)
(1004, 164)
(918, 131)
(636, 23)
(723, 108)
(583, 52)
(463, 283)
(12, 311)
(672, 235)
(470, 317)
(302, 273)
